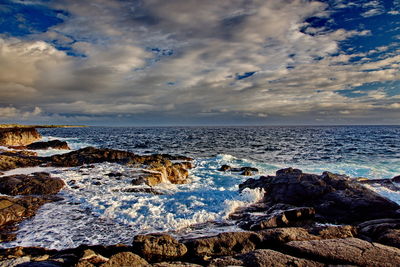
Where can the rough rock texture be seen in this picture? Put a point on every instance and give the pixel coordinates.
(263, 258)
(335, 198)
(346, 251)
(34, 184)
(18, 136)
(125, 259)
(13, 210)
(158, 247)
(175, 264)
(385, 231)
(246, 171)
(55, 144)
(9, 161)
(229, 243)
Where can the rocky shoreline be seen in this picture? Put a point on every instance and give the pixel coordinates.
(303, 220)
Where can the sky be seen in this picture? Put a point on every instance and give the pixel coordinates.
(200, 62)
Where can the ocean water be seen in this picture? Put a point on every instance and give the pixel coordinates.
(97, 210)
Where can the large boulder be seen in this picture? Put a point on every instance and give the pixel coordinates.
(55, 144)
(125, 259)
(228, 243)
(158, 247)
(335, 198)
(34, 184)
(18, 136)
(346, 251)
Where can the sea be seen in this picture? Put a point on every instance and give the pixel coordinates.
(96, 210)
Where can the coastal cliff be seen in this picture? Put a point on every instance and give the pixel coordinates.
(18, 136)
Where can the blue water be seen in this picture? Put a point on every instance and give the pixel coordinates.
(105, 214)
(368, 151)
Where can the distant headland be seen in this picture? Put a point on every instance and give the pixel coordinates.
(38, 126)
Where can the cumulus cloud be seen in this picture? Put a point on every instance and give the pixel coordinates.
(183, 58)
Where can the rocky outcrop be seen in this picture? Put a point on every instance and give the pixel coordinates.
(18, 136)
(346, 251)
(335, 198)
(9, 161)
(385, 231)
(34, 184)
(54, 144)
(125, 259)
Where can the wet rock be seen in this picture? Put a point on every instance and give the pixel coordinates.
(18, 136)
(158, 247)
(19, 152)
(396, 179)
(335, 198)
(9, 161)
(114, 174)
(346, 251)
(276, 218)
(14, 210)
(142, 190)
(385, 231)
(225, 168)
(34, 184)
(125, 259)
(54, 144)
(229, 243)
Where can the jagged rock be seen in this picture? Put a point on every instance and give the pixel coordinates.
(9, 161)
(264, 258)
(346, 251)
(158, 247)
(34, 184)
(247, 171)
(18, 136)
(229, 243)
(385, 231)
(55, 144)
(276, 217)
(335, 198)
(225, 168)
(19, 152)
(125, 259)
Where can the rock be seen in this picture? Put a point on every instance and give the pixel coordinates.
(9, 161)
(55, 144)
(19, 152)
(385, 231)
(283, 235)
(346, 251)
(90, 257)
(158, 247)
(34, 184)
(142, 190)
(336, 231)
(18, 136)
(229, 243)
(396, 179)
(175, 264)
(125, 259)
(226, 261)
(225, 168)
(14, 262)
(114, 174)
(274, 217)
(335, 198)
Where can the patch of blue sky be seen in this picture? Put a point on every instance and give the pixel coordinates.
(19, 19)
(391, 88)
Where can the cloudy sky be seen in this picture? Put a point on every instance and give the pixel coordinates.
(200, 62)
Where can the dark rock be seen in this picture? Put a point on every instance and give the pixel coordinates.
(385, 231)
(229, 243)
(225, 168)
(346, 251)
(96, 183)
(142, 190)
(18, 136)
(9, 161)
(114, 174)
(34, 184)
(158, 247)
(334, 231)
(125, 259)
(55, 144)
(396, 179)
(277, 218)
(335, 198)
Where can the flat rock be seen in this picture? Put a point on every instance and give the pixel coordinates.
(264, 258)
(228, 243)
(34, 184)
(346, 251)
(158, 247)
(125, 259)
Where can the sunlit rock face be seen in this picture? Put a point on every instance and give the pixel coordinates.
(18, 136)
